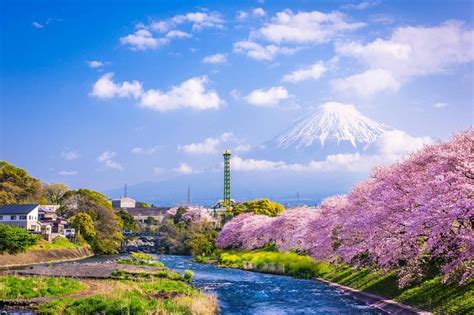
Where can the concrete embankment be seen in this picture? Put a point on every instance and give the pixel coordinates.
(44, 256)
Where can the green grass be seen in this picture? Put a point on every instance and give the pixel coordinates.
(58, 243)
(431, 294)
(140, 259)
(14, 287)
(133, 297)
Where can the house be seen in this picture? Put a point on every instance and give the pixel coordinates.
(123, 203)
(47, 215)
(22, 215)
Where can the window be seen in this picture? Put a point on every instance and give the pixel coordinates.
(13, 217)
(22, 217)
(1, 217)
(30, 217)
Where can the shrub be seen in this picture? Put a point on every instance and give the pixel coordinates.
(188, 275)
(15, 239)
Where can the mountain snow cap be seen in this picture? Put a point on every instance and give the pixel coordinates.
(332, 121)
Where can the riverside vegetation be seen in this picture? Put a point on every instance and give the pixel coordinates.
(155, 289)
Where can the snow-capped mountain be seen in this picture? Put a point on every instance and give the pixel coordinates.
(332, 122)
(332, 128)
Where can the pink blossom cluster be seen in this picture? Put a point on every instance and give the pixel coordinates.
(196, 214)
(408, 217)
(193, 214)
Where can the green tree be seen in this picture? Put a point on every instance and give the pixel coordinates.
(141, 204)
(151, 221)
(107, 223)
(179, 213)
(84, 225)
(14, 239)
(54, 192)
(260, 206)
(128, 222)
(17, 186)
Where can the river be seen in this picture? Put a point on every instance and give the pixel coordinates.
(246, 292)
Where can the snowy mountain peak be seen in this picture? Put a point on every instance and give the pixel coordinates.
(332, 121)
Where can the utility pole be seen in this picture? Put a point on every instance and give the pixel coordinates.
(297, 199)
(125, 191)
(226, 155)
(189, 195)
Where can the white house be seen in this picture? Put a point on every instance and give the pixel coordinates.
(25, 216)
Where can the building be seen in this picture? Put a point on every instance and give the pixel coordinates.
(124, 203)
(140, 215)
(25, 216)
(48, 216)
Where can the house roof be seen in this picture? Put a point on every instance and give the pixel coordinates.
(18, 209)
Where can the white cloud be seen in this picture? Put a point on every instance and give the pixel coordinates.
(314, 72)
(106, 88)
(397, 144)
(361, 5)
(259, 12)
(177, 34)
(306, 27)
(200, 20)
(37, 25)
(184, 169)
(367, 83)
(259, 52)
(106, 159)
(144, 151)
(241, 15)
(94, 64)
(215, 59)
(69, 155)
(415, 51)
(67, 173)
(208, 146)
(142, 39)
(391, 147)
(191, 93)
(440, 105)
(267, 98)
(243, 148)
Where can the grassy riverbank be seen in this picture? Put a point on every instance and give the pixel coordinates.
(129, 286)
(430, 294)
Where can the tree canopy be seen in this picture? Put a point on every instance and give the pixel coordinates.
(260, 206)
(54, 192)
(17, 186)
(107, 222)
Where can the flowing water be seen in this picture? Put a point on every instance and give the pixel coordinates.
(245, 292)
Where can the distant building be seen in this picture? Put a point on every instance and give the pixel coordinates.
(25, 216)
(124, 203)
(141, 214)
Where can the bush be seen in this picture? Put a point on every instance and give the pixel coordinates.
(188, 275)
(15, 239)
(260, 206)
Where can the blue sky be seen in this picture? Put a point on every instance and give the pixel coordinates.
(102, 93)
